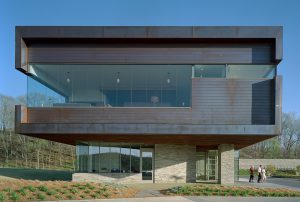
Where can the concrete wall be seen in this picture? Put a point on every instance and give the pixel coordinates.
(175, 163)
(278, 163)
(126, 178)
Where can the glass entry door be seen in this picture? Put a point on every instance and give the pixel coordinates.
(207, 166)
(147, 164)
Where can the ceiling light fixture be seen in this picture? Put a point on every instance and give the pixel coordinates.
(118, 78)
(68, 79)
(168, 79)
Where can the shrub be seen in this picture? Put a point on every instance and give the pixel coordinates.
(74, 190)
(64, 191)
(23, 192)
(82, 187)
(70, 196)
(87, 191)
(31, 188)
(14, 196)
(41, 196)
(51, 192)
(9, 190)
(271, 170)
(43, 188)
(58, 196)
(90, 186)
(2, 196)
(95, 195)
(106, 195)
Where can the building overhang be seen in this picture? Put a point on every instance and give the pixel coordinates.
(26, 35)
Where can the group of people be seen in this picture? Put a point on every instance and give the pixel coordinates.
(261, 174)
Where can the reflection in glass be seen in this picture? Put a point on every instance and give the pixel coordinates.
(125, 159)
(250, 71)
(104, 160)
(135, 159)
(147, 165)
(108, 158)
(94, 159)
(114, 159)
(210, 71)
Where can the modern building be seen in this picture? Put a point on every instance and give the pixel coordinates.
(151, 104)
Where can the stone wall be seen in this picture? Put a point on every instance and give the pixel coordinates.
(126, 178)
(226, 163)
(175, 163)
(285, 164)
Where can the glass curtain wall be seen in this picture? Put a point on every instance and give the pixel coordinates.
(109, 85)
(108, 158)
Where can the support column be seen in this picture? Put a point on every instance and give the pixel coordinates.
(226, 163)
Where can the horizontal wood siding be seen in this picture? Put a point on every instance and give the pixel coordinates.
(151, 53)
(214, 101)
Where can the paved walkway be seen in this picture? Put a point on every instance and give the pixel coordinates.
(195, 199)
(287, 183)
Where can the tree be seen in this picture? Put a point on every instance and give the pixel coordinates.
(290, 133)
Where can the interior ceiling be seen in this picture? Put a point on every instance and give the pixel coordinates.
(65, 78)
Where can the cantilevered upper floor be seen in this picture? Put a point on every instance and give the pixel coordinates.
(177, 84)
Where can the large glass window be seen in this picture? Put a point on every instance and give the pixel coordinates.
(108, 158)
(109, 85)
(82, 157)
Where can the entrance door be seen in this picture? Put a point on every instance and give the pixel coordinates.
(147, 164)
(200, 167)
(207, 166)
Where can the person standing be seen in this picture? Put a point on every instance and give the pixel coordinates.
(264, 177)
(251, 174)
(259, 174)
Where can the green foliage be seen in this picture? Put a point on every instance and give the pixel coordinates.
(14, 196)
(298, 169)
(90, 186)
(41, 196)
(73, 190)
(70, 196)
(58, 196)
(95, 195)
(2, 197)
(9, 190)
(106, 195)
(51, 192)
(197, 190)
(271, 169)
(43, 188)
(87, 191)
(30, 188)
(23, 192)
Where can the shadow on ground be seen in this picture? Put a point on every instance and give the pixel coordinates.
(36, 174)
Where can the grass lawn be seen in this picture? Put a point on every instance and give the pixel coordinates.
(36, 174)
(221, 190)
(29, 190)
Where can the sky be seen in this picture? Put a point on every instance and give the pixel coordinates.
(284, 13)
